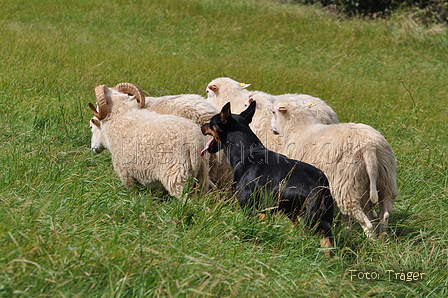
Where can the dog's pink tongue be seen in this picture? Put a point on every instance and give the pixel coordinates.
(207, 146)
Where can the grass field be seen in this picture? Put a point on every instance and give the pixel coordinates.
(68, 228)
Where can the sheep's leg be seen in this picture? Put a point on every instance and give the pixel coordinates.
(211, 185)
(365, 222)
(345, 218)
(177, 190)
(203, 183)
(372, 215)
(384, 218)
(127, 180)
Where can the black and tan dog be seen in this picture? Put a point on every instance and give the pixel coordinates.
(266, 180)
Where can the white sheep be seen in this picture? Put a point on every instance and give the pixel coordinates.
(261, 121)
(190, 106)
(147, 147)
(223, 90)
(357, 160)
(320, 108)
(200, 111)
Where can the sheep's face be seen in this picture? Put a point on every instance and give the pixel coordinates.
(278, 118)
(212, 91)
(259, 97)
(220, 86)
(97, 145)
(264, 100)
(249, 100)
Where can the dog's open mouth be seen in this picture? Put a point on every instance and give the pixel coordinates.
(209, 143)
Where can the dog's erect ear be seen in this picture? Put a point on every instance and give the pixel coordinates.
(248, 113)
(225, 113)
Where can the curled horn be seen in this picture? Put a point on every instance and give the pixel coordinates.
(133, 90)
(100, 92)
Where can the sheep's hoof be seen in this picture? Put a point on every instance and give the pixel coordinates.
(382, 236)
(370, 235)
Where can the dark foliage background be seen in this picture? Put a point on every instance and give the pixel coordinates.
(425, 11)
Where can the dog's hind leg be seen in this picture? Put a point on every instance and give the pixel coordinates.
(295, 219)
(325, 236)
(325, 242)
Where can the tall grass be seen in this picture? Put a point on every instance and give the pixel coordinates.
(69, 228)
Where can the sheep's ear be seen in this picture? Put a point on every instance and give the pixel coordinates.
(282, 109)
(249, 100)
(249, 112)
(244, 85)
(214, 88)
(95, 122)
(225, 113)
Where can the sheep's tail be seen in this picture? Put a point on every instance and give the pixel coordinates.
(202, 169)
(387, 182)
(203, 178)
(371, 163)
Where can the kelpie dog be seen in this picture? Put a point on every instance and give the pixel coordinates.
(268, 180)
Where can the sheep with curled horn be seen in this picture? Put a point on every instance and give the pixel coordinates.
(190, 106)
(146, 147)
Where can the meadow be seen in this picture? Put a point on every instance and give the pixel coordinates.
(69, 228)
